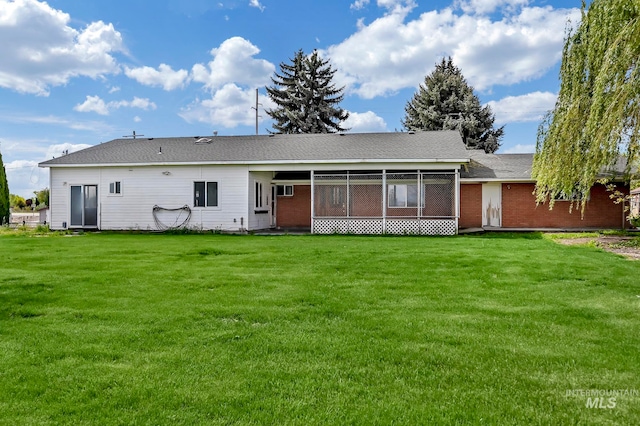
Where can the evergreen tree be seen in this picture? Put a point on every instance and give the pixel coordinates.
(307, 98)
(4, 195)
(446, 102)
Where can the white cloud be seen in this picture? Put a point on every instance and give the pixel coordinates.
(229, 107)
(57, 150)
(24, 176)
(393, 53)
(141, 103)
(74, 124)
(114, 89)
(40, 49)
(99, 106)
(488, 6)
(231, 78)
(524, 108)
(520, 149)
(93, 104)
(233, 62)
(164, 76)
(137, 119)
(256, 4)
(365, 122)
(359, 4)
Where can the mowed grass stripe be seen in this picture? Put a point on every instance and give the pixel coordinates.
(215, 329)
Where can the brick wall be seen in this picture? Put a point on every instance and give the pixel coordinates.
(519, 210)
(470, 206)
(294, 212)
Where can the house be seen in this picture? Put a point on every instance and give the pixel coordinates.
(397, 183)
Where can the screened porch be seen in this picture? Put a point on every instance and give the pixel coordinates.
(391, 202)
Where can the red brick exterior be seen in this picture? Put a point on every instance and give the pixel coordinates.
(519, 210)
(470, 206)
(295, 211)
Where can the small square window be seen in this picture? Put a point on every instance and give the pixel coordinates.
(115, 188)
(284, 190)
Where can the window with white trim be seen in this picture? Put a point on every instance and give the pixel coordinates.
(337, 196)
(205, 194)
(402, 195)
(115, 188)
(284, 190)
(258, 195)
(574, 196)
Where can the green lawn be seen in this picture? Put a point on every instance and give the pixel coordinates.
(218, 329)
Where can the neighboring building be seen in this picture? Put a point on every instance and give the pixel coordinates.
(634, 204)
(397, 183)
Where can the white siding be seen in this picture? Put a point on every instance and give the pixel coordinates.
(260, 218)
(59, 197)
(142, 188)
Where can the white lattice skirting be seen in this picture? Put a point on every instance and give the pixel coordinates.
(393, 226)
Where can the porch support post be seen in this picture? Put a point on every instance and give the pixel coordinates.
(418, 197)
(348, 209)
(313, 210)
(384, 201)
(457, 198)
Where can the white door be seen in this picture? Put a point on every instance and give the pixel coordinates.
(492, 204)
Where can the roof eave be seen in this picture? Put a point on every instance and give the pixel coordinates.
(261, 162)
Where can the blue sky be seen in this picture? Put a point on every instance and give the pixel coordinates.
(77, 73)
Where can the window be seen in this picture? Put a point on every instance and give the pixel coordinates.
(258, 195)
(115, 188)
(574, 196)
(284, 190)
(337, 196)
(205, 194)
(403, 195)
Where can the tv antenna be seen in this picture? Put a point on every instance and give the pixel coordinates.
(132, 135)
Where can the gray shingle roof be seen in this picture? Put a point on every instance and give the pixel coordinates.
(515, 167)
(498, 166)
(349, 147)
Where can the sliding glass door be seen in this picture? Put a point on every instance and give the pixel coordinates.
(84, 206)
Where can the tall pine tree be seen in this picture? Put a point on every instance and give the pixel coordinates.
(4, 195)
(306, 97)
(446, 102)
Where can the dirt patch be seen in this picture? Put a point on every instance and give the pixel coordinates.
(626, 246)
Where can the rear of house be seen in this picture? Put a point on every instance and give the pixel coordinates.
(396, 183)
(497, 191)
(335, 183)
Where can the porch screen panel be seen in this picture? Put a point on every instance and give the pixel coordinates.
(330, 195)
(403, 197)
(365, 195)
(438, 195)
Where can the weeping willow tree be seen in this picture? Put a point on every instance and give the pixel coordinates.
(597, 113)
